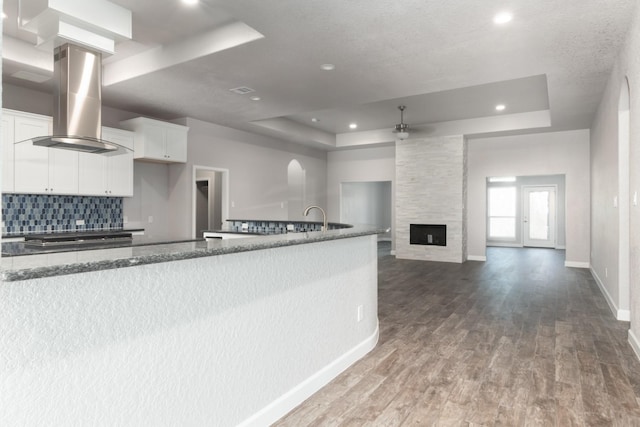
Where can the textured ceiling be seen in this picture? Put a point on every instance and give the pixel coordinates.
(446, 60)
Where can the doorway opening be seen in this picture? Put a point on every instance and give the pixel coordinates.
(210, 199)
(624, 203)
(367, 203)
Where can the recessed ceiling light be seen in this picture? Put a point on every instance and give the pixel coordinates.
(328, 67)
(500, 107)
(353, 126)
(315, 119)
(502, 18)
(255, 98)
(190, 2)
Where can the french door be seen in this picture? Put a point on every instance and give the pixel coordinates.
(539, 216)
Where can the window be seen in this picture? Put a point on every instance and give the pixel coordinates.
(502, 213)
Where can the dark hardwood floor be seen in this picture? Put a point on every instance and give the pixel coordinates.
(518, 340)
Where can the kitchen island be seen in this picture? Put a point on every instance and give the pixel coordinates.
(222, 332)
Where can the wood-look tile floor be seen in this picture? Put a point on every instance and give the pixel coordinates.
(518, 340)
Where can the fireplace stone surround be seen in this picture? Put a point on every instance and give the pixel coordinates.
(431, 188)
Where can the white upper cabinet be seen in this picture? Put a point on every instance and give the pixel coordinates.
(31, 169)
(108, 174)
(7, 152)
(157, 141)
(40, 170)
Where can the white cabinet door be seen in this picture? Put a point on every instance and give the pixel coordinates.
(119, 176)
(108, 174)
(92, 174)
(31, 162)
(154, 142)
(63, 171)
(42, 170)
(7, 152)
(176, 145)
(157, 141)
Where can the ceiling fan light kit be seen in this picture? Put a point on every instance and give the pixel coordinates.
(402, 129)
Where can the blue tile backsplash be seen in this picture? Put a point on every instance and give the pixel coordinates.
(40, 213)
(278, 226)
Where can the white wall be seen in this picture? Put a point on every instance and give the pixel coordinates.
(604, 189)
(554, 153)
(605, 224)
(258, 182)
(147, 208)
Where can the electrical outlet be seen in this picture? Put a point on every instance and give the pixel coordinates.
(606, 272)
(245, 225)
(150, 219)
(290, 227)
(125, 219)
(635, 198)
(79, 221)
(360, 313)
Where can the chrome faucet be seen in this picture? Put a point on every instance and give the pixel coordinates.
(324, 216)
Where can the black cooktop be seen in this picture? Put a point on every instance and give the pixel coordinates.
(77, 238)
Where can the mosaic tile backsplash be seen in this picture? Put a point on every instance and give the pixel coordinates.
(278, 227)
(39, 213)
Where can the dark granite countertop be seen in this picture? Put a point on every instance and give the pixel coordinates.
(147, 251)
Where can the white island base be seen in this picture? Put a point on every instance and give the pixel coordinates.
(235, 339)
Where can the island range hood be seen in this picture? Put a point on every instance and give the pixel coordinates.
(77, 119)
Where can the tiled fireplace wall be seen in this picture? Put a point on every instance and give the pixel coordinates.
(431, 176)
(37, 213)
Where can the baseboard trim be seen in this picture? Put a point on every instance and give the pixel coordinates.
(577, 264)
(285, 403)
(634, 343)
(476, 258)
(622, 315)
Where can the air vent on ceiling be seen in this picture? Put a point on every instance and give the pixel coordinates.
(242, 90)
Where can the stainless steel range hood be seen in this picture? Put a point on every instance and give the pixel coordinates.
(77, 116)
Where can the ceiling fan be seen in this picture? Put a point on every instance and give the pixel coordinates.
(402, 129)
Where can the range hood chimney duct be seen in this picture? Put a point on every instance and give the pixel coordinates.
(77, 116)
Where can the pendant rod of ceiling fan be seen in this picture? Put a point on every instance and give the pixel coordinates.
(401, 108)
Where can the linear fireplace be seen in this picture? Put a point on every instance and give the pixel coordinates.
(428, 234)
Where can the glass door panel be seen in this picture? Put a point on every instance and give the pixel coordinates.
(539, 216)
